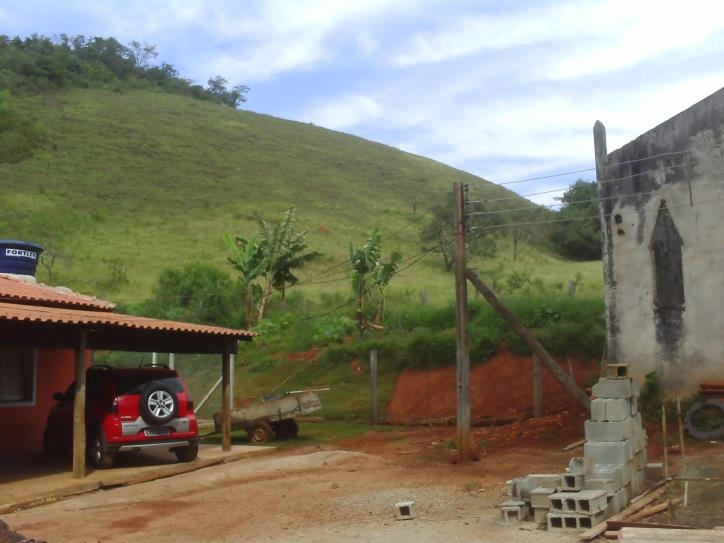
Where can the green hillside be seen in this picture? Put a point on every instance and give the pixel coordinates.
(133, 181)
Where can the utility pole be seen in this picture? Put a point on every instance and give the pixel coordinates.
(461, 321)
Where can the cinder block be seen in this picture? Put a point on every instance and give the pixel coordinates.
(617, 503)
(639, 460)
(545, 480)
(540, 514)
(405, 510)
(607, 485)
(522, 486)
(604, 471)
(616, 371)
(572, 521)
(576, 465)
(613, 388)
(572, 482)
(587, 502)
(540, 497)
(514, 510)
(608, 430)
(509, 487)
(598, 409)
(607, 452)
(633, 405)
(635, 389)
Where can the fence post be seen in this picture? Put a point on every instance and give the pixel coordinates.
(373, 378)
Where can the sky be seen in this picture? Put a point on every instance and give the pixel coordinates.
(505, 90)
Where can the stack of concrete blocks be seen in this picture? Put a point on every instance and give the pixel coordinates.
(603, 481)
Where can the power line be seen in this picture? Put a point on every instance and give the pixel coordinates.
(573, 219)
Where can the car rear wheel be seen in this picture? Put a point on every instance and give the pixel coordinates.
(187, 454)
(158, 404)
(100, 457)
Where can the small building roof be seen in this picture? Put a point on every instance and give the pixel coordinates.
(13, 289)
(60, 327)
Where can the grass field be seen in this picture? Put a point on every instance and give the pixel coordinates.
(131, 182)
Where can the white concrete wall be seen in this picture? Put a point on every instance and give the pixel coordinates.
(693, 186)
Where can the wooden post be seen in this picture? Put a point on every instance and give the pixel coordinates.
(172, 361)
(79, 437)
(461, 321)
(537, 388)
(373, 379)
(514, 322)
(232, 380)
(225, 407)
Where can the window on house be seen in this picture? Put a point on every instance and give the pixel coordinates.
(17, 377)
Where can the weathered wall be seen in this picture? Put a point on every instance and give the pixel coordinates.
(662, 213)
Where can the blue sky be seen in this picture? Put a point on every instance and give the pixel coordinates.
(506, 90)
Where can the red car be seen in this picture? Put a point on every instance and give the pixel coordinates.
(127, 410)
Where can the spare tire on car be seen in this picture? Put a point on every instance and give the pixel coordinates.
(158, 403)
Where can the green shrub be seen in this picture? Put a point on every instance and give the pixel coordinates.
(427, 349)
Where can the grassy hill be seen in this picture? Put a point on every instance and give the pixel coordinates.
(131, 182)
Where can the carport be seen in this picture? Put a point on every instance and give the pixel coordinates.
(41, 326)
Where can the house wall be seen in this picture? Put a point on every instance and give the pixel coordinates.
(661, 198)
(23, 426)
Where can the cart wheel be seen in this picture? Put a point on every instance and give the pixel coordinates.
(705, 419)
(286, 428)
(261, 432)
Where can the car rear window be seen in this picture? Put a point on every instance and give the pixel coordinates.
(133, 383)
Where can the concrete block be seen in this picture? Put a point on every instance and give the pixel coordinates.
(604, 471)
(617, 503)
(607, 452)
(586, 502)
(635, 389)
(616, 371)
(405, 510)
(613, 388)
(540, 514)
(540, 497)
(607, 485)
(639, 460)
(514, 511)
(573, 521)
(576, 465)
(522, 486)
(633, 405)
(509, 487)
(598, 409)
(608, 430)
(545, 480)
(572, 482)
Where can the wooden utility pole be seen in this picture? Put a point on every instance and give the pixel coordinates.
(463, 354)
(517, 326)
(79, 437)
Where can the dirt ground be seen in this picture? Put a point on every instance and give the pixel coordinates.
(333, 493)
(347, 490)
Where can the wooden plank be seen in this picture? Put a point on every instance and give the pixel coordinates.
(648, 497)
(517, 326)
(648, 512)
(618, 524)
(574, 445)
(663, 535)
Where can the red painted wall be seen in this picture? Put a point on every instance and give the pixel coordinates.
(23, 426)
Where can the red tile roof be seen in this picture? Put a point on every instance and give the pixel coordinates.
(12, 289)
(61, 315)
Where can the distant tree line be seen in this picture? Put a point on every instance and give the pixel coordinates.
(38, 63)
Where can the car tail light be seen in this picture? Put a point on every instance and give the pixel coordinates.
(190, 405)
(114, 407)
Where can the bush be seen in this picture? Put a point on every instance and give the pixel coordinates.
(427, 349)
